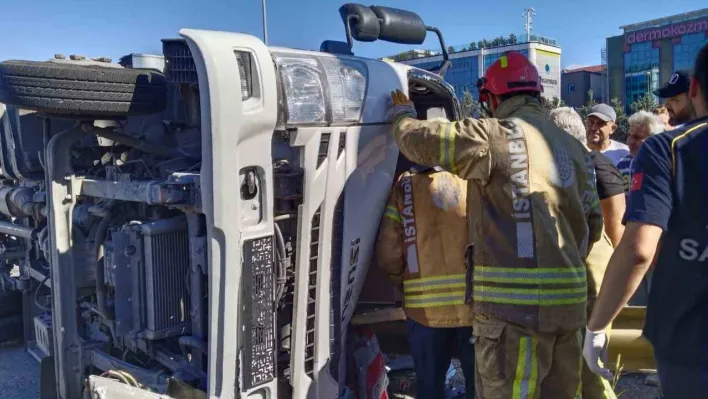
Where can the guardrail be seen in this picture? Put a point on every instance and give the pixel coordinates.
(627, 344)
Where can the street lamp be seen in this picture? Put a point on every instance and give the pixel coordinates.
(265, 25)
(648, 73)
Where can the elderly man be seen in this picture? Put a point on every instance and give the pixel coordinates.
(600, 127)
(679, 106)
(610, 190)
(642, 125)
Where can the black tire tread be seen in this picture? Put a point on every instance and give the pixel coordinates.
(81, 90)
(81, 107)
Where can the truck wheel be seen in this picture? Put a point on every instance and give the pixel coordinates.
(82, 90)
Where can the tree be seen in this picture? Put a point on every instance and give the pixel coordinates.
(451, 49)
(502, 41)
(512, 39)
(469, 107)
(645, 103)
(480, 44)
(550, 105)
(473, 46)
(585, 109)
(621, 121)
(496, 42)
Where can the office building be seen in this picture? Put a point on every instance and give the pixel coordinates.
(644, 57)
(469, 65)
(577, 82)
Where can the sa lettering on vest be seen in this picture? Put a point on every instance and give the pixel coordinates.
(692, 250)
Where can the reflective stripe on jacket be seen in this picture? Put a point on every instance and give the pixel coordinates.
(421, 246)
(532, 207)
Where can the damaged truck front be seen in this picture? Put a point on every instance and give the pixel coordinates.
(201, 223)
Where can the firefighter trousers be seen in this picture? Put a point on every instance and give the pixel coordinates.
(432, 350)
(516, 362)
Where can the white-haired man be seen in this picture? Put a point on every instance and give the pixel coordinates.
(642, 125)
(610, 190)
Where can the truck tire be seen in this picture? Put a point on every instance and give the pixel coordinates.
(81, 90)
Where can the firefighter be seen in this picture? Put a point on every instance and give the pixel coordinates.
(533, 213)
(421, 247)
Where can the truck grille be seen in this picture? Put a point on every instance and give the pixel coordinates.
(312, 294)
(179, 64)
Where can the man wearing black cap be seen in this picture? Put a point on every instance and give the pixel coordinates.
(600, 126)
(667, 206)
(675, 91)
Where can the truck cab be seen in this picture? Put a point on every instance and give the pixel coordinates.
(202, 223)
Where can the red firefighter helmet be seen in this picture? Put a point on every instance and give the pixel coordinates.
(511, 73)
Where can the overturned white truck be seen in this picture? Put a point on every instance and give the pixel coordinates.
(209, 225)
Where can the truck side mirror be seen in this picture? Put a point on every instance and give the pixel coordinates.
(360, 23)
(399, 26)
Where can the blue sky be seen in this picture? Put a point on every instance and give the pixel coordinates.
(117, 27)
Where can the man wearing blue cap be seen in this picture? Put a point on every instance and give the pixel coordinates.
(675, 92)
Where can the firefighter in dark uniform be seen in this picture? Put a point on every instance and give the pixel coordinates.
(667, 202)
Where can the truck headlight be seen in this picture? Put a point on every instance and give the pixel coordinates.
(304, 90)
(347, 88)
(322, 89)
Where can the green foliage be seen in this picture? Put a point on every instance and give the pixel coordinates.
(512, 39)
(585, 109)
(469, 107)
(622, 124)
(451, 49)
(473, 46)
(645, 103)
(550, 105)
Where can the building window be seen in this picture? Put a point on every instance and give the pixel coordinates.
(571, 88)
(686, 51)
(641, 72)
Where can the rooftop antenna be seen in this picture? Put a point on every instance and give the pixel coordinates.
(265, 24)
(529, 13)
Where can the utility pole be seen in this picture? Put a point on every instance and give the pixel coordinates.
(265, 24)
(606, 77)
(529, 13)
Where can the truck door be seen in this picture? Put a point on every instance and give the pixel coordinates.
(237, 87)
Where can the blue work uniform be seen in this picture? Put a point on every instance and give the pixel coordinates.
(669, 189)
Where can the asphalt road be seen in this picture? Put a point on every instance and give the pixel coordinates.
(19, 374)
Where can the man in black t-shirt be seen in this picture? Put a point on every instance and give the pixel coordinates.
(610, 190)
(609, 180)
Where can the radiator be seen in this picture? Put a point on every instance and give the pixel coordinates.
(151, 277)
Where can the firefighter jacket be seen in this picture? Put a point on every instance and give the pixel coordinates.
(532, 208)
(421, 246)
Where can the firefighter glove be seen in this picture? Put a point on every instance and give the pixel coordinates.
(400, 106)
(595, 352)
